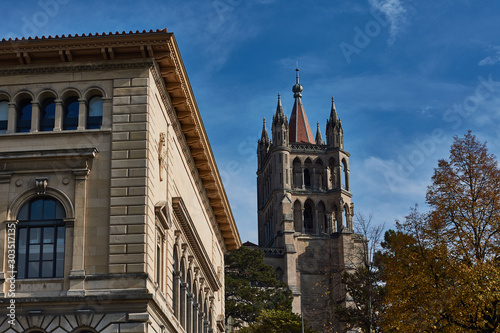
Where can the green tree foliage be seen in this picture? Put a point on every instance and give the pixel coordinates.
(276, 321)
(363, 282)
(252, 286)
(442, 268)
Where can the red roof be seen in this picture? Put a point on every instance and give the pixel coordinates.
(300, 131)
(87, 35)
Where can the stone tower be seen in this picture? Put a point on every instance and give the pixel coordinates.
(305, 211)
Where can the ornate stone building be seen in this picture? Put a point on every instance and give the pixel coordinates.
(113, 216)
(305, 213)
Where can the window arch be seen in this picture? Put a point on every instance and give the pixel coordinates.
(175, 284)
(308, 217)
(48, 114)
(71, 111)
(40, 239)
(94, 113)
(4, 116)
(183, 295)
(297, 216)
(24, 116)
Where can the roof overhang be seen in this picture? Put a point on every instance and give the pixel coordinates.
(161, 46)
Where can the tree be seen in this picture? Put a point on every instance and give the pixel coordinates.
(363, 282)
(276, 321)
(442, 268)
(252, 286)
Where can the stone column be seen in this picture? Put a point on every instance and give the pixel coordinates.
(302, 174)
(82, 114)
(302, 220)
(316, 222)
(12, 122)
(315, 186)
(77, 273)
(107, 110)
(58, 121)
(35, 117)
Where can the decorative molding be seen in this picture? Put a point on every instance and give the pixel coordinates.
(195, 242)
(163, 214)
(41, 185)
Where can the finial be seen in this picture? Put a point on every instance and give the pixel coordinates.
(264, 121)
(297, 70)
(297, 88)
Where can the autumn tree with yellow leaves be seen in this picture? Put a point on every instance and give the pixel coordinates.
(442, 268)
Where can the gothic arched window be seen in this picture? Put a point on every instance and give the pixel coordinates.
(308, 218)
(40, 239)
(175, 284)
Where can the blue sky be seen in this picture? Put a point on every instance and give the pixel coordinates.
(407, 76)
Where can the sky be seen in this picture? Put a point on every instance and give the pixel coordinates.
(407, 76)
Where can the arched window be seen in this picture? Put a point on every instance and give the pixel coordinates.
(195, 309)
(297, 216)
(345, 176)
(24, 116)
(189, 313)
(47, 115)
(308, 218)
(4, 116)
(94, 115)
(175, 284)
(183, 296)
(307, 178)
(40, 239)
(71, 111)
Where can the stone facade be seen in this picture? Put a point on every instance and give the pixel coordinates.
(305, 213)
(105, 128)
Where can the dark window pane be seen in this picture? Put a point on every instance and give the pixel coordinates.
(47, 269)
(70, 121)
(22, 238)
(48, 252)
(24, 116)
(23, 213)
(34, 269)
(36, 209)
(35, 235)
(94, 117)
(4, 116)
(48, 114)
(60, 213)
(49, 209)
(34, 252)
(48, 235)
(59, 267)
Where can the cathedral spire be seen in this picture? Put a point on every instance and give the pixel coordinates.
(319, 138)
(334, 132)
(300, 131)
(264, 138)
(279, 109)
(333, 112)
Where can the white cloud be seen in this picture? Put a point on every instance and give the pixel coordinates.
(395, 13)
(491, 60)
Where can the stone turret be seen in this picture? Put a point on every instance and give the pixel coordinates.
(334, 132)
(280, 127)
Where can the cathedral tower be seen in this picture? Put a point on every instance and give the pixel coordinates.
(305, 211)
